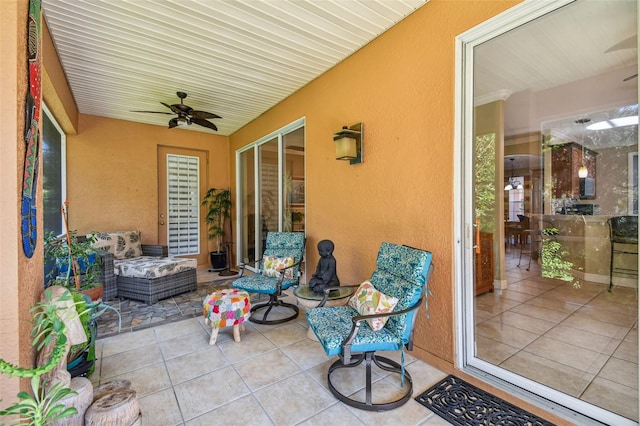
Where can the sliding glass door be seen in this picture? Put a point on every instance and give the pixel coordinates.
(270, 184)
(549, 142)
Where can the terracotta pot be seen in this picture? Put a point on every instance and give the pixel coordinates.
(94, 293)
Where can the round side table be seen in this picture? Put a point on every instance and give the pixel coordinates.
(310, 299)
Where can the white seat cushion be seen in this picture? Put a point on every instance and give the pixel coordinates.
(152, 267)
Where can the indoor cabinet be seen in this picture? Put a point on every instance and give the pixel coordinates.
(484, 264)
(565, 161)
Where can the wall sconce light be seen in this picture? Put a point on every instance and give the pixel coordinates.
(349, 143)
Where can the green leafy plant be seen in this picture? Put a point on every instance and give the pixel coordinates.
(553, 264)
(484, 182)
(218, 203)
(64, 252)
(40, 407)
(84, 314)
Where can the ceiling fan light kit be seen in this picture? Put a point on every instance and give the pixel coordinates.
(186, 115)
(513, 183)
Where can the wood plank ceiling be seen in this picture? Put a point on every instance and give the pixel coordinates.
(234, 58)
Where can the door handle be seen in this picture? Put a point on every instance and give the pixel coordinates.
(476, 246)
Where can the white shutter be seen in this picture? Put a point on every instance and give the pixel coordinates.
(183, 204)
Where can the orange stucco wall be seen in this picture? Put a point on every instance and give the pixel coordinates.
(21, 278)
(112, 173)
(401, 86)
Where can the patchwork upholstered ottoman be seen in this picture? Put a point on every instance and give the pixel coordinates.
(226, 308)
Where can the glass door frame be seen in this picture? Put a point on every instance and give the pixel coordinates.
(279, 135)
(464, 231)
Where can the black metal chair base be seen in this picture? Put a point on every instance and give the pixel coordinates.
(383, 363)
(257, 311)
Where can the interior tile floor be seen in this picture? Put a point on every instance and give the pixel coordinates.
(581, 340)
(274, 376)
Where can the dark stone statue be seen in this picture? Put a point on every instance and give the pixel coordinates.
(325, 274)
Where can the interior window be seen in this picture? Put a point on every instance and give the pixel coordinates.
(54, 174)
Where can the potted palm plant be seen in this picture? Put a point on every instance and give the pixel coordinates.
(218, 204)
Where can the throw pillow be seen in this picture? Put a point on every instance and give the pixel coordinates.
(103, 241)
(123, 245)
(272, 266)
(369, 301)
(128, 245)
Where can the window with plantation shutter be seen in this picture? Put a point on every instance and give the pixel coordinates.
(183, 207)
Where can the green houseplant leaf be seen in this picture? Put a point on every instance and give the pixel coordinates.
(218, 203)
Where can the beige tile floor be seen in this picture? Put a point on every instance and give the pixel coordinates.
(580, 340)
(274, 376)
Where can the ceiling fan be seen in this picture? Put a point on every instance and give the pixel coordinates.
(628, 43)
(186, 115)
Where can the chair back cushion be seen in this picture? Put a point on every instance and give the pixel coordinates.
(401, 272)
(122, 244)
(285, 244)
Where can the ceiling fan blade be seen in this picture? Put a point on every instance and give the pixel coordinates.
(203, 122)
(173, 123)
(172, 108)
(181, 109)
(155, 112)
(628, 43)
(203, 114)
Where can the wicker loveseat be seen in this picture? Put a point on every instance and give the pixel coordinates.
(138, 271)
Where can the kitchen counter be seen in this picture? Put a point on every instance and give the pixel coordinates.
(586, 242)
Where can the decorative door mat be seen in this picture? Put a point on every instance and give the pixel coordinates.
(461, 403)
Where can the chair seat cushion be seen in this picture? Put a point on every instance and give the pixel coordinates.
(152, 267)
(332, 325)
(258, 283)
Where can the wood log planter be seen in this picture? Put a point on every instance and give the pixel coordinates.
(115, 404)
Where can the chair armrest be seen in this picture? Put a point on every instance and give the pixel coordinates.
(241, 268)
(156, 250)
(105, 264)
(357, 320)
(282, 272)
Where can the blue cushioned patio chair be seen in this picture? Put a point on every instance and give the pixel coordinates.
(402, 272)
(279, 245)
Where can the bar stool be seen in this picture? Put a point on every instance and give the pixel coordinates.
(623, 236)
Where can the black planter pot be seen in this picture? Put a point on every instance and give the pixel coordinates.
(84, 364)
(218, 260)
